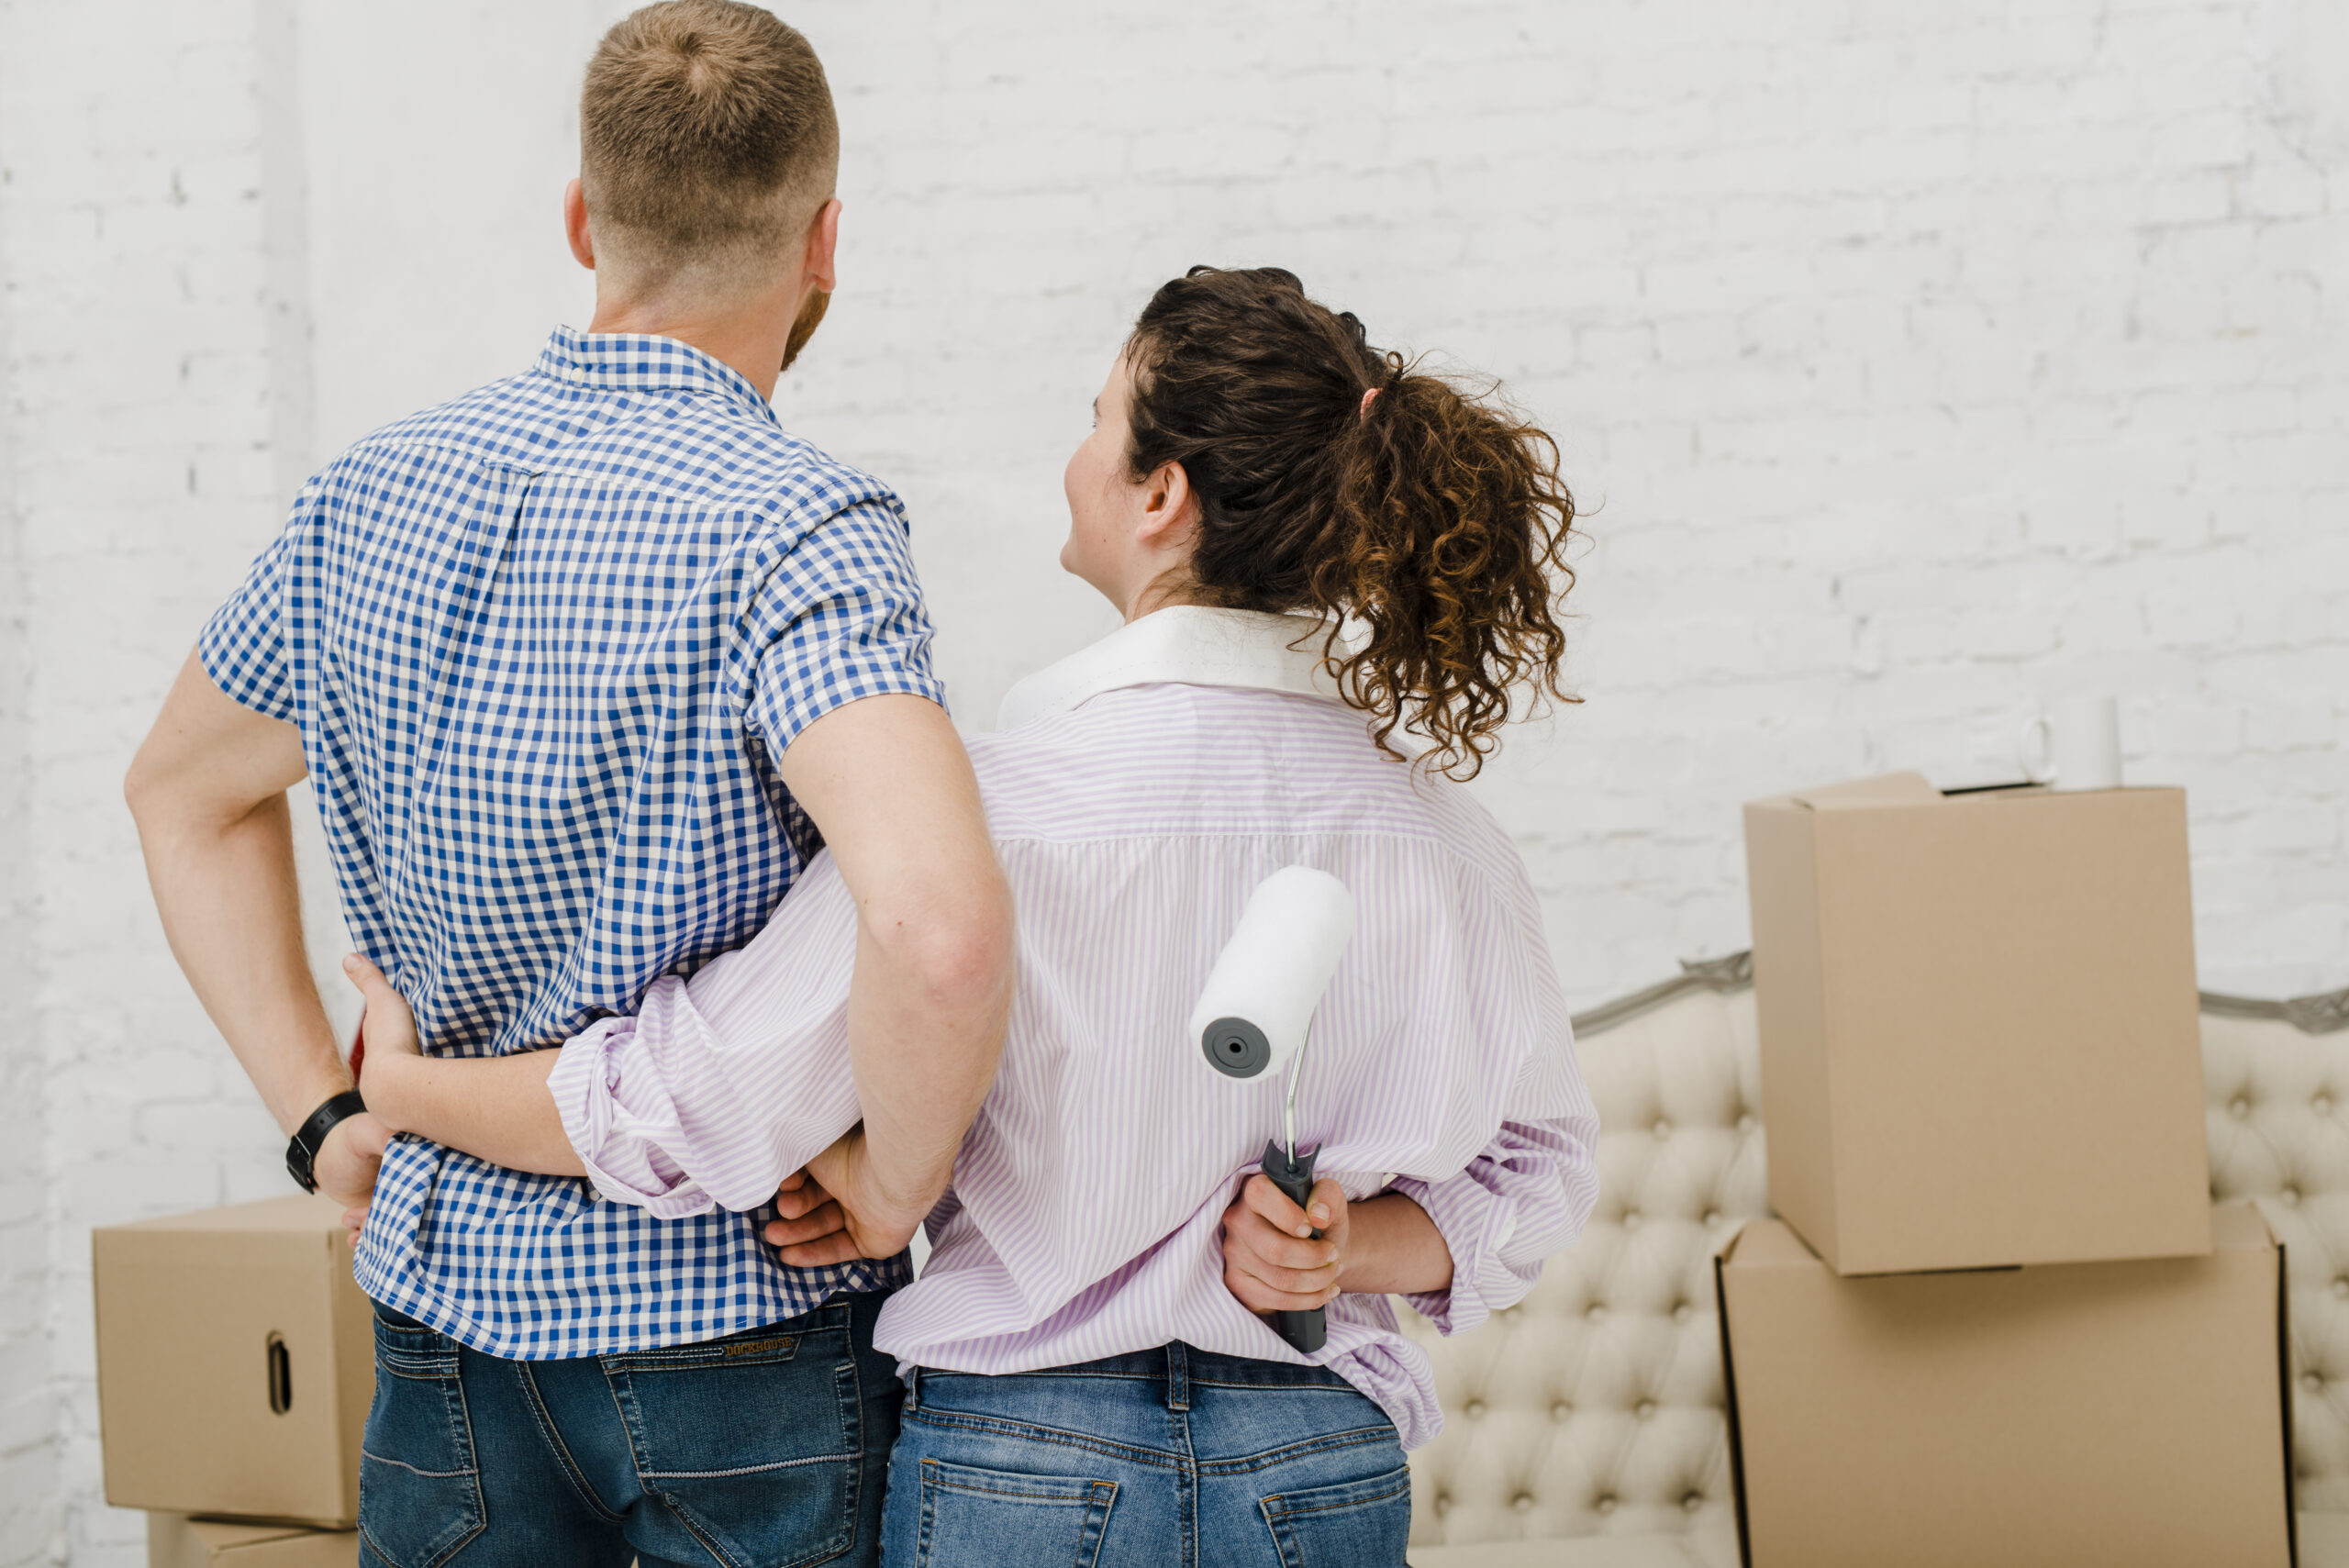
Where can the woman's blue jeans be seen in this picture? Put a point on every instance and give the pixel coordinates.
(766, 1449)
(1171, 1458)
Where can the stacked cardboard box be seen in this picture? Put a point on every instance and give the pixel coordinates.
(236, 1361)
(1997, 1319)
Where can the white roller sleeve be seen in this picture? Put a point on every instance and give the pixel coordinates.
(1280, 958)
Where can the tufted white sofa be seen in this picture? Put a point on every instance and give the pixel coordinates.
(1584, 1427)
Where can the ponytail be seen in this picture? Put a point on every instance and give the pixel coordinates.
(1353, 484)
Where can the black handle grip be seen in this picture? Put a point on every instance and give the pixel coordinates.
(1304, 1330)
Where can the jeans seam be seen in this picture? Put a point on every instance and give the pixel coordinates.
(1289, 1510)
(1331, 1442)
(561, 1451)
(930, 1416)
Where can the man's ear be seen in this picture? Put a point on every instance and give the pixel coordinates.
(575, 224)
(1170, 510)
(823, 239)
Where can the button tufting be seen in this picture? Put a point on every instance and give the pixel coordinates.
(1692, 1502)
(1680, 1313)
(2321, 1105)
(2312, 1383)
(2239, 1107)
(1631, 1220)
(1745, 1122)
(1475, 1407)
(1523, 1502)
(2290, 1197)
(1560, 1410)
(1443, 1504)
(1645, 1408)
(1597, 1311)
(2341, 1288)
(1712, 1217)
(1663, 1128)
(1606, 1504)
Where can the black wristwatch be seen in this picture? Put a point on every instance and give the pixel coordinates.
(302, 1149)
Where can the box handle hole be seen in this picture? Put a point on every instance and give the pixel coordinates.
(281, 1376)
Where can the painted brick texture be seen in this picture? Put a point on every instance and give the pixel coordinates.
(1916, 364)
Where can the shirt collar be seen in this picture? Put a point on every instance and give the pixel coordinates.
(641, 362)
(1186, 644)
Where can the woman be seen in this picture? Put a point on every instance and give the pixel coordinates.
(1325, 559)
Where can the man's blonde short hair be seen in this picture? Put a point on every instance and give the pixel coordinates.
(707, 141)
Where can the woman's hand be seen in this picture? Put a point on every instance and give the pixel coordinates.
(1381, 1246)
(834, 1210)
(1270, 1259)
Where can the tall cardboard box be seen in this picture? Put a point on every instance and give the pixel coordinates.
(236, 1361)
(1979, 1026)
(176, 1541)
(2049, 1417)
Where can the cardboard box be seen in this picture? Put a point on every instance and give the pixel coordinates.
(236, 1361)
(2048, 1417)
(175, 1540)
(1979, 1026)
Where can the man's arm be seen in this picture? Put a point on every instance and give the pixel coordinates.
(887, 782)
(207, 790)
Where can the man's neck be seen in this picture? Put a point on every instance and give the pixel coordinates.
(747, 335)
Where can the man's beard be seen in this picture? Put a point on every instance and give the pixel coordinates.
(811, 316)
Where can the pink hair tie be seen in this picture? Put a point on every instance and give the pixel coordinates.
(1363, 412)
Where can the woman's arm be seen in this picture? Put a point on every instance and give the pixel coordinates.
(711, 1095)
(493, 1108)
(1385, 1245)
(1521, 1201)
(1459, 1248)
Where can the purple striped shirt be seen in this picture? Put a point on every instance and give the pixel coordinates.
(1142, 791)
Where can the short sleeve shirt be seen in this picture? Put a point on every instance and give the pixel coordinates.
(546, 645)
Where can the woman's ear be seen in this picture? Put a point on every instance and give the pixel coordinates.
(1170, 510)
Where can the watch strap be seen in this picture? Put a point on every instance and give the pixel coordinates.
(302, 1149)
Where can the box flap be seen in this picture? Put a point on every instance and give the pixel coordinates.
(2239, 1228)
(1768, 1244)
(1887, 789)
(298, 1211)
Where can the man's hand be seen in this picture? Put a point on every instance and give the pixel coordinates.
(834, 1211)
(1270, 1259)
(353, 1151)
(347, 1160)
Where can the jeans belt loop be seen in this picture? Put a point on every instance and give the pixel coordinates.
(913, 1388)
(1178, 1375)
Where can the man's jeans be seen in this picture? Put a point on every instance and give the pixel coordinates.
(1171, 1458)
(767, 1448)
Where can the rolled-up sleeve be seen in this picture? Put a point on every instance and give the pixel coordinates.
(1521, 1200)
(724, 1084)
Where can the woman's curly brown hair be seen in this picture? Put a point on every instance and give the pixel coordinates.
(1432, 518)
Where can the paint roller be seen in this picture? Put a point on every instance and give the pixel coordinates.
(1256, 1013)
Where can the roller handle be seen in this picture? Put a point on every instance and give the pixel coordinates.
(1304, 1330)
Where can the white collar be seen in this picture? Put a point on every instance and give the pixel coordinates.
(1187, 644)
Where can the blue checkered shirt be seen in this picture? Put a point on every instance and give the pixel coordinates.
(545, 644)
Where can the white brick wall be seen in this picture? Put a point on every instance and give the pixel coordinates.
(1916, 363)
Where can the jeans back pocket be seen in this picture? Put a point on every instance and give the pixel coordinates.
(1356, 1524)
(755, 1440)
(420, 1485)
(977, 1518)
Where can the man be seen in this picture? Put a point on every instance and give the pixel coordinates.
(581, 666)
